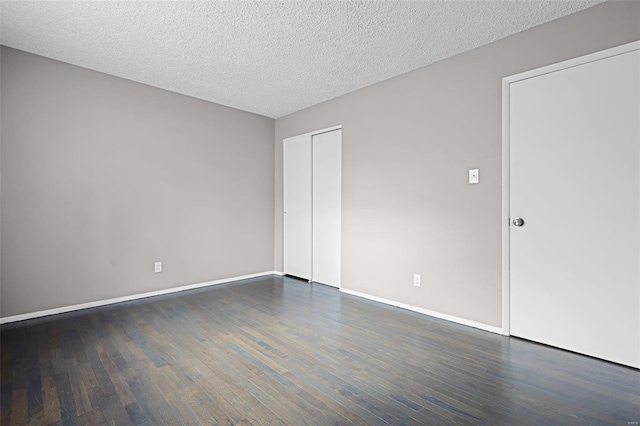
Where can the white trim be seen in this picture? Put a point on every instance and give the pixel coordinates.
(506, 242)
(435, 314)
(506, 143)
(603, 54)
(278, 273)
(80, 306)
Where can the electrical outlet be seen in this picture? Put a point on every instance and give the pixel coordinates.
(416, 280)
(157, 267)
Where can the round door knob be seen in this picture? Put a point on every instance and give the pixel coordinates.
(518, 222)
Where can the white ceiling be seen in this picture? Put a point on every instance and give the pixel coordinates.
(268, 57)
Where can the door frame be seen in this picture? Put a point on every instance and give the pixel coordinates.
(310, 136)
(506, 152)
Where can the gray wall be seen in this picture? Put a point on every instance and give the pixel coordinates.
(407, 145)
(102, 176)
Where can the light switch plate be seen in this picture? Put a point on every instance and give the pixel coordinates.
(474, 176)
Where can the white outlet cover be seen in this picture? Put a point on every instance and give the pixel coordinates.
(416, 280)
(474, 176)
(157, 267)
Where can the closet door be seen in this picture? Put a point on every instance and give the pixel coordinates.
(327, 160)
(297, 206)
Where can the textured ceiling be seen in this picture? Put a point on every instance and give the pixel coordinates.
(268, 57)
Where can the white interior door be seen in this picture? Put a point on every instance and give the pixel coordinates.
(327, 154)
(297, 206)
(575, 181)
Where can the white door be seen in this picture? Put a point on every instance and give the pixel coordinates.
(575, 181)
(297, 206)
(327, 153)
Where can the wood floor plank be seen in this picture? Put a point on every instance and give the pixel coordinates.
(34, 393)
(275, 350)
(6, 395)
(151, 399)
(18, 415)
(52, 413)
(68, 414)
(118, 379)
(197, 410)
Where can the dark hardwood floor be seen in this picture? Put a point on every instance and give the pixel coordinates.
(280, 351)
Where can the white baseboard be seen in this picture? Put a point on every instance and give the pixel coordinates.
(278, 273)
(80, 306)
(485, 327)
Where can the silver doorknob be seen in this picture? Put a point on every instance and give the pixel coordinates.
(518, 222)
